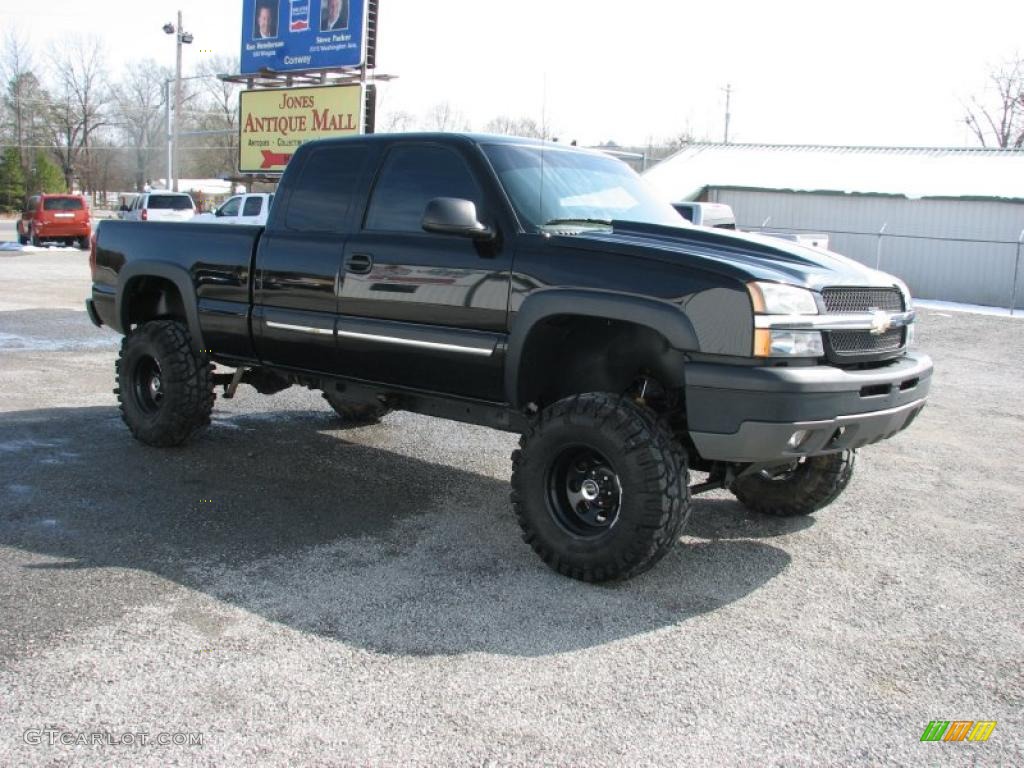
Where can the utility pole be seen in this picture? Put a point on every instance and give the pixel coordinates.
(167, 108)
(728, 98)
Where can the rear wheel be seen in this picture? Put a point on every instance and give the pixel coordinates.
(165, 387)
(599, 487)
(800, 488)
(22, 239)
(356, 413)
(83, 243)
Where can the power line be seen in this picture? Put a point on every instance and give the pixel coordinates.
(113, 149)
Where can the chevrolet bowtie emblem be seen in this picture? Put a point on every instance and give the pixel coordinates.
(880, 322)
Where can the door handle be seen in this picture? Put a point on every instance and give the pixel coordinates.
(360, 263)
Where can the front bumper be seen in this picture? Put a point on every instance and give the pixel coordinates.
(742, 414)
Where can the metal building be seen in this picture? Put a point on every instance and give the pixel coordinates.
(950, 222)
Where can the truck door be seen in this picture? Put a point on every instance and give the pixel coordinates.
(295, 301)
(417, 308)
(251, 210)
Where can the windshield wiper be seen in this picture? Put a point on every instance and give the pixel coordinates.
(605, 222)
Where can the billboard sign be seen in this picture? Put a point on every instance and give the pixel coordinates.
(274, 122)
(290, 35)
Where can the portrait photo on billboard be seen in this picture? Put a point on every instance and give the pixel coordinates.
(333, 15)
(264, 22)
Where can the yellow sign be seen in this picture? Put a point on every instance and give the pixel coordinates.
(273, 123)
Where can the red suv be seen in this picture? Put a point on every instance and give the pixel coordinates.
(55, 217)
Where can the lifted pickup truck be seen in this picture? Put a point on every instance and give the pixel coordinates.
(534, 288)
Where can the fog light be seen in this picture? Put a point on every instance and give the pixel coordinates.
(797, 438)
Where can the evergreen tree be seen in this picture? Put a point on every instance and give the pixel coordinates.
(12, 182)
(45, 176)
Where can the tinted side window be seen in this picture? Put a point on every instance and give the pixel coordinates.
(412, 177)
(323, 192)
(252, 206)
(230, 208)
(33, 203)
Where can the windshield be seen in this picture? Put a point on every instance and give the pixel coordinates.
(171, 202)
(575, 186)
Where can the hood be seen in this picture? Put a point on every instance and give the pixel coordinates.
(740, 255)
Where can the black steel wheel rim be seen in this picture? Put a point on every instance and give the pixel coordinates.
(584, 492)
(147, 384)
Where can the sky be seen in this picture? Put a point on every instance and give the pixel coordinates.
(890, 73)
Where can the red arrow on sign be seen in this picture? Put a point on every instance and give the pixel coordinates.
(270, 159)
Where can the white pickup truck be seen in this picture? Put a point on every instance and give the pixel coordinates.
(161, 206)
(241, 209)
(720, 216)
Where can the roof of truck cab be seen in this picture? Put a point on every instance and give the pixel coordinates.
(445, 137)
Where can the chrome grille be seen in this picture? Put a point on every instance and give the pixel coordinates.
(865, 342)
(839, 300)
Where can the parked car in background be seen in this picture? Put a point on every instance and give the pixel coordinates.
(161, 206)
(721, 216)
(62, 218)
(240, 209)
(717, 215)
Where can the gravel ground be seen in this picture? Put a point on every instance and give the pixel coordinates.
(299, 594)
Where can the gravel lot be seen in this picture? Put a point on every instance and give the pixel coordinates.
(300, 594)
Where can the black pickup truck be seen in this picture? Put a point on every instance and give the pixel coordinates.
(534, 288)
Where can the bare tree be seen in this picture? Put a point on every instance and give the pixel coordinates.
(396, 122)
(997, 119)
(444, 116)
(217, 112)
(139, 101)
(83, 98)
(520, 126)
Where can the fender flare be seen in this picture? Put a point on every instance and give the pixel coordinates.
(181, 279)
(664, 318)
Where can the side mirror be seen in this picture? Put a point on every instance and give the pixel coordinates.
(455, 216)
(218, 212)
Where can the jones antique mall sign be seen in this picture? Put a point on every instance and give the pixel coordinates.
(273, 123)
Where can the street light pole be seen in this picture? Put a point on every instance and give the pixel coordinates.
(177, 101)
(181, 38)
(167, 108)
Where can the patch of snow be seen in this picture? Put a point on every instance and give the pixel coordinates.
(977, 309)
(12, 342)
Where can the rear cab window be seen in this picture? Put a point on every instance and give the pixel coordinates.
(326, 187)
(33, 203)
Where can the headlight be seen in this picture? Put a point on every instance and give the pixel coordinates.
(778, 299)
(788, 343)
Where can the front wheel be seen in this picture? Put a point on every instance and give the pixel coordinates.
(599, 486)
(35, 238)
(800, 488)
(164, 386)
